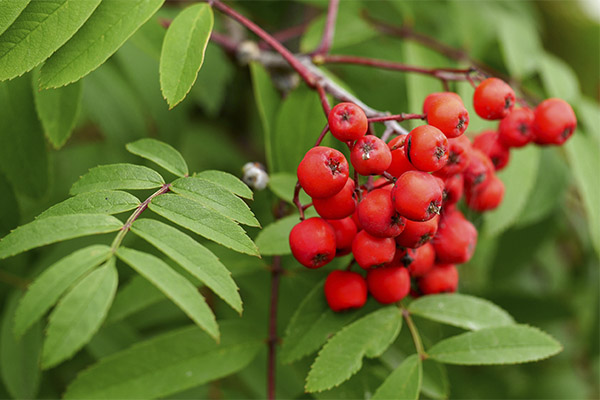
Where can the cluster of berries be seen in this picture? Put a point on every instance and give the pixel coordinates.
(410, 236)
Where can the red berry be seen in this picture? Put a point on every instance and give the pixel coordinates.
(421, 260)
(322, 172)
(453, 189)
(515, 130)
(489, 143)
(340, 205)
(388, 284)
(356, 220)
(370, 250)
(493, 99)
(370, 155)
(378, 216)
(313, 242)
(431, 98)
(345, 230)
(383, 183)
(347, 122)
(455, 239)
(448, 115)
(479, 169)
(345, 290)
(416, 234)
(400, 163)
(426, 148)
(554, 122)
(487, 196)
(458, 156)
(441, 278)
(417, 196)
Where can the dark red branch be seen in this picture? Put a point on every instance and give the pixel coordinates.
(324, 102)
(397, 117)
(329, 30)
(322, 135)
(297, 201)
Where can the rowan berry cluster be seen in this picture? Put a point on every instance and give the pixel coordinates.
(405, 228)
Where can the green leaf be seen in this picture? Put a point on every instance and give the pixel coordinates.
(183, 50)
(161, 154)
(9, 207)
(103, 202)
(267, 101)
(500, 345)
(58, 110)
(342, 356)
(404, 382)
(168, 364)
(216, 197)
(113, 22)
(519, 42)
(40, 29)
(53, 282)
(9, 11)
(118, 176)
(283, 185)
(55, 229)
(192, 256)
(203, 221)
(519, 179)
(274, 238)
(228, 181)
(435, 380)
(135, 296)
(559, 79)
(460, 310)
(213, 82)
(79, 314)
(174, 286)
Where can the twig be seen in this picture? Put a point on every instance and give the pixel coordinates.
(322, 135)
(329, 30)
(324, 101)
(397, 117)
(297, 200)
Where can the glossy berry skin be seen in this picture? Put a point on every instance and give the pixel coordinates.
(554, 122)
(489, 143)
(453, 189)
(448, 115)
(422, 260)
(345, 290)
(378, 216)
(442, 278)
(370, 155)
(433, 97)
(487, 196)
(388, 284)
(515, 130)
(455, 240)
(416, 234)
(313, 242)
(400, 163)
(426, 148)
(493, 99)
(479, 170)
(356, 220)
(383, 183)
(340, 205)
(458, 156)
(417, 196)
(347, 122)
(370, 251)
(345, 231)
(323, 172)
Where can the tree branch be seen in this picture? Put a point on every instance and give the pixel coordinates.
(329, 30)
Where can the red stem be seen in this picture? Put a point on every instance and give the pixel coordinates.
(286, 34)
(322, 135)
(324, 101)
(297, 201)
(398, 117)
(329, 31)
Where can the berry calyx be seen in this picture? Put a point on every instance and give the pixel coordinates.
(347, 122)
(515, 130)
(493, 99)
(345, 230)
(378, 216)
(313, 242)
(489, 143)
(458, 156)
(449, 115)
(370, 155)
(345, 290)
(417, 196)
(323, 172)
(340, 205)
(426, 148)
(554, 122)
(441, 278)
(370, 251)
(388, 284)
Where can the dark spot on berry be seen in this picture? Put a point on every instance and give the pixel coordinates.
(408, 145)
(319, 259)
(508, 102)
(407, 259)
(424, 239)
(495, 161)
(439, 152)
(522, 128)
(434, 208)
(567, 132)
(334, 166)
(397, 220)
(453, 157)
(479, 179)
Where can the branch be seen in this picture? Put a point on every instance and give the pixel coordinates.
(329, 31)
(398, 117)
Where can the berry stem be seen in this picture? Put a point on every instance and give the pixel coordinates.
(397, 117)
(322, 135)
(297, 201)
(329, 31)
(324, 101)
(414, 333)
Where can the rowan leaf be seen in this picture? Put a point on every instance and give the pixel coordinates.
(103, 202)
(9, 11)
(117, 176)
(404, 382)
(161, 154)
(228, 181)
(134, 296)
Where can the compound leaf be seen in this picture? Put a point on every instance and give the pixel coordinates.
(161, 154)
(9, 11)
(117, 176)
(104, 202)
(404, 382)
(227, 181)
(134, 296)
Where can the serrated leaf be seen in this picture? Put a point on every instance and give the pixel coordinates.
(216, 197)
(183, 50)
(404, 382)
(283, 185)
(460, 310)
(113, 22)
(79, 314)
(103, 202)
(192, 256)
(9, 11)
(117, 176)
(40, 29)
(203, 221)
(168, 364)
(134, 296)
(267, 101)
(342, 356)
(519, 42)
(161, 154)
(174, 286)
(58, 110)
(53, 282)
(228, 181)
(274, 238)
(55, 229)
(567, 86)
(500, 345)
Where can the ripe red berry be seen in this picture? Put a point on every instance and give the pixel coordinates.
(448, 115)
(345, 231)
(554, 122)
(356, 220)
(345, 290)
(493, 99)
(383, 183)
(421, 260)
(416, 234)
(455, 239)
(489, 143)
(487, 196)
(370, 155)
(479, 169)
(431, 98)
(370, 251)
(388, 284)
(515, 130)
(441, 278)
(340, 205)
(458, 156)
(417, 196)
(400, 163)
(313, 242)
(426, 148)
(323, 172)
(378, 216)
(453, 189)
(347, 122)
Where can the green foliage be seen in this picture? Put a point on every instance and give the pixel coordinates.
(404, 382)
(118, 176)
(9, 11)
(274, 238)
(161, 154)
(102, 202)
